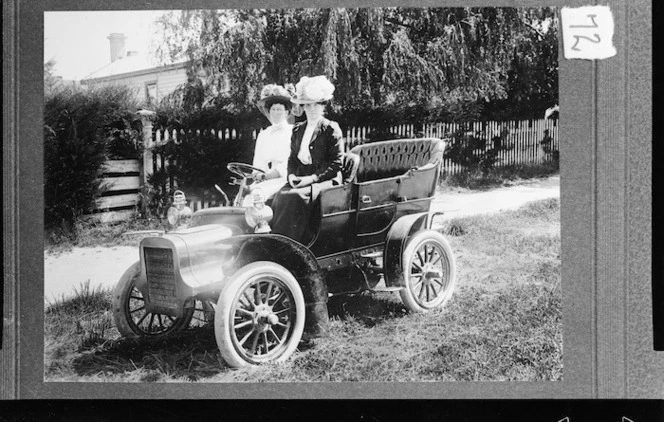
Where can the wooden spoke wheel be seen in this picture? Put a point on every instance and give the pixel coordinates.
(429, 272)
(131, 317)
(260, 315)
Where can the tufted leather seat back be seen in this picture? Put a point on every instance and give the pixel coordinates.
(379, 160)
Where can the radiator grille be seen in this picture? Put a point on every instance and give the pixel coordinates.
(160, 272)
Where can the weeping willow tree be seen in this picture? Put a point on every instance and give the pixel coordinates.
(428, 59)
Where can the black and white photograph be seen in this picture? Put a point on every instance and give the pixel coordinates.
(302, 195)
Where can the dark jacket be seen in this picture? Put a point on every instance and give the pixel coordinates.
(325, 149)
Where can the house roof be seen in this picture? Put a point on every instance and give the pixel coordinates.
(129, 66)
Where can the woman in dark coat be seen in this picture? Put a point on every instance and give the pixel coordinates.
(313, 164)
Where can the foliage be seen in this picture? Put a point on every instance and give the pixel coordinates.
(378, 58)
(95, 234)
(52, 83)
(470, 151)
(532, 80)
(82, 129)
(198, 161)
(500, 176)
(79, 322)
(157, 194)
(202, 161)
(455, 227)
(124, 135)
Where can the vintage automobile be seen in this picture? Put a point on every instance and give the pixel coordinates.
(372, 231)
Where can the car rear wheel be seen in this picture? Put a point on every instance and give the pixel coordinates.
(131, 318)
(260, 315)
(429, 271)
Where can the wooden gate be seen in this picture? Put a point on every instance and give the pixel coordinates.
(118, 202)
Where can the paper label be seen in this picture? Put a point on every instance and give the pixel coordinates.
(588, 32)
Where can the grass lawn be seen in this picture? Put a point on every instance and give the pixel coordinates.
(502, 323)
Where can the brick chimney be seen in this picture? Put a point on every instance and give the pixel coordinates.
(117, 46)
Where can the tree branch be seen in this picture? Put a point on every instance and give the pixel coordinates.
(395, 22)
(537, 31)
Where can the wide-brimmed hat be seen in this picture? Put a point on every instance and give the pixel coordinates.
(274, 94)
(313, 90)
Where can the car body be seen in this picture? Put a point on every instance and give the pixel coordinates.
(372, 232)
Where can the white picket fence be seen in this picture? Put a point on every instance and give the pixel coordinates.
(520, 139)
(520, 145)
(162, 135)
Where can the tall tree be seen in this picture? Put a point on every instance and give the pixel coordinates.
(431, 58)
(51, 81)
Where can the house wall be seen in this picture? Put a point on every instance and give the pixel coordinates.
(167, 81)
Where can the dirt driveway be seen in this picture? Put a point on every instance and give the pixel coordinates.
(103, 266)
(462, 204)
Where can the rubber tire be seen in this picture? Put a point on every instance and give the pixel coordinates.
(123, 322)
(223, 317)
(414, 243)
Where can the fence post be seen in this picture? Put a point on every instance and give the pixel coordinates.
(147, 118)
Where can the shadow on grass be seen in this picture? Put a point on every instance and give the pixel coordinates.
(191, 354)
(368, 309)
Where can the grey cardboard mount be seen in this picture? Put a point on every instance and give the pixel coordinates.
(606, 155)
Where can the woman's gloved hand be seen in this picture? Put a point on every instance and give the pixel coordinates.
(258, 176)
(301, 181)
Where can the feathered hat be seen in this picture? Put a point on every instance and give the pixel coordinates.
(313, 90)
(275, 94)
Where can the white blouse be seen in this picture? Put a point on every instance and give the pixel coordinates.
(304, 155)
(273, 147)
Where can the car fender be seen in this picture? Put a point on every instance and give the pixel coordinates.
(396, 240)
(297, 259)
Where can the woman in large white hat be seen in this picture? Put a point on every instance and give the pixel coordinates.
(273, 143)
(315, 160)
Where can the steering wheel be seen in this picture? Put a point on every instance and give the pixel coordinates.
(243, 170)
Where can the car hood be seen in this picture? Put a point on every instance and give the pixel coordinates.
(199, 252)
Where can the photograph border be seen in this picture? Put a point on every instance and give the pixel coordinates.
(606, 256)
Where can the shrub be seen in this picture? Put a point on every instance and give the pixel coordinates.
(502, 176)
(197, 163)
(456, 227)
(81, 130)
(470, 151)
(157, 194)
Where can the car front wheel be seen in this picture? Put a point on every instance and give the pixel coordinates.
(429, 272)
(132, 319)
(260, 315)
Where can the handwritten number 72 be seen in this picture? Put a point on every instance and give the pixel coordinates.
(579, 37)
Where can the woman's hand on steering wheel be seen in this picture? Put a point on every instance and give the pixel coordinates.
(259, 176)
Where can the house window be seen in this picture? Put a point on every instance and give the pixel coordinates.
(151, 93)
